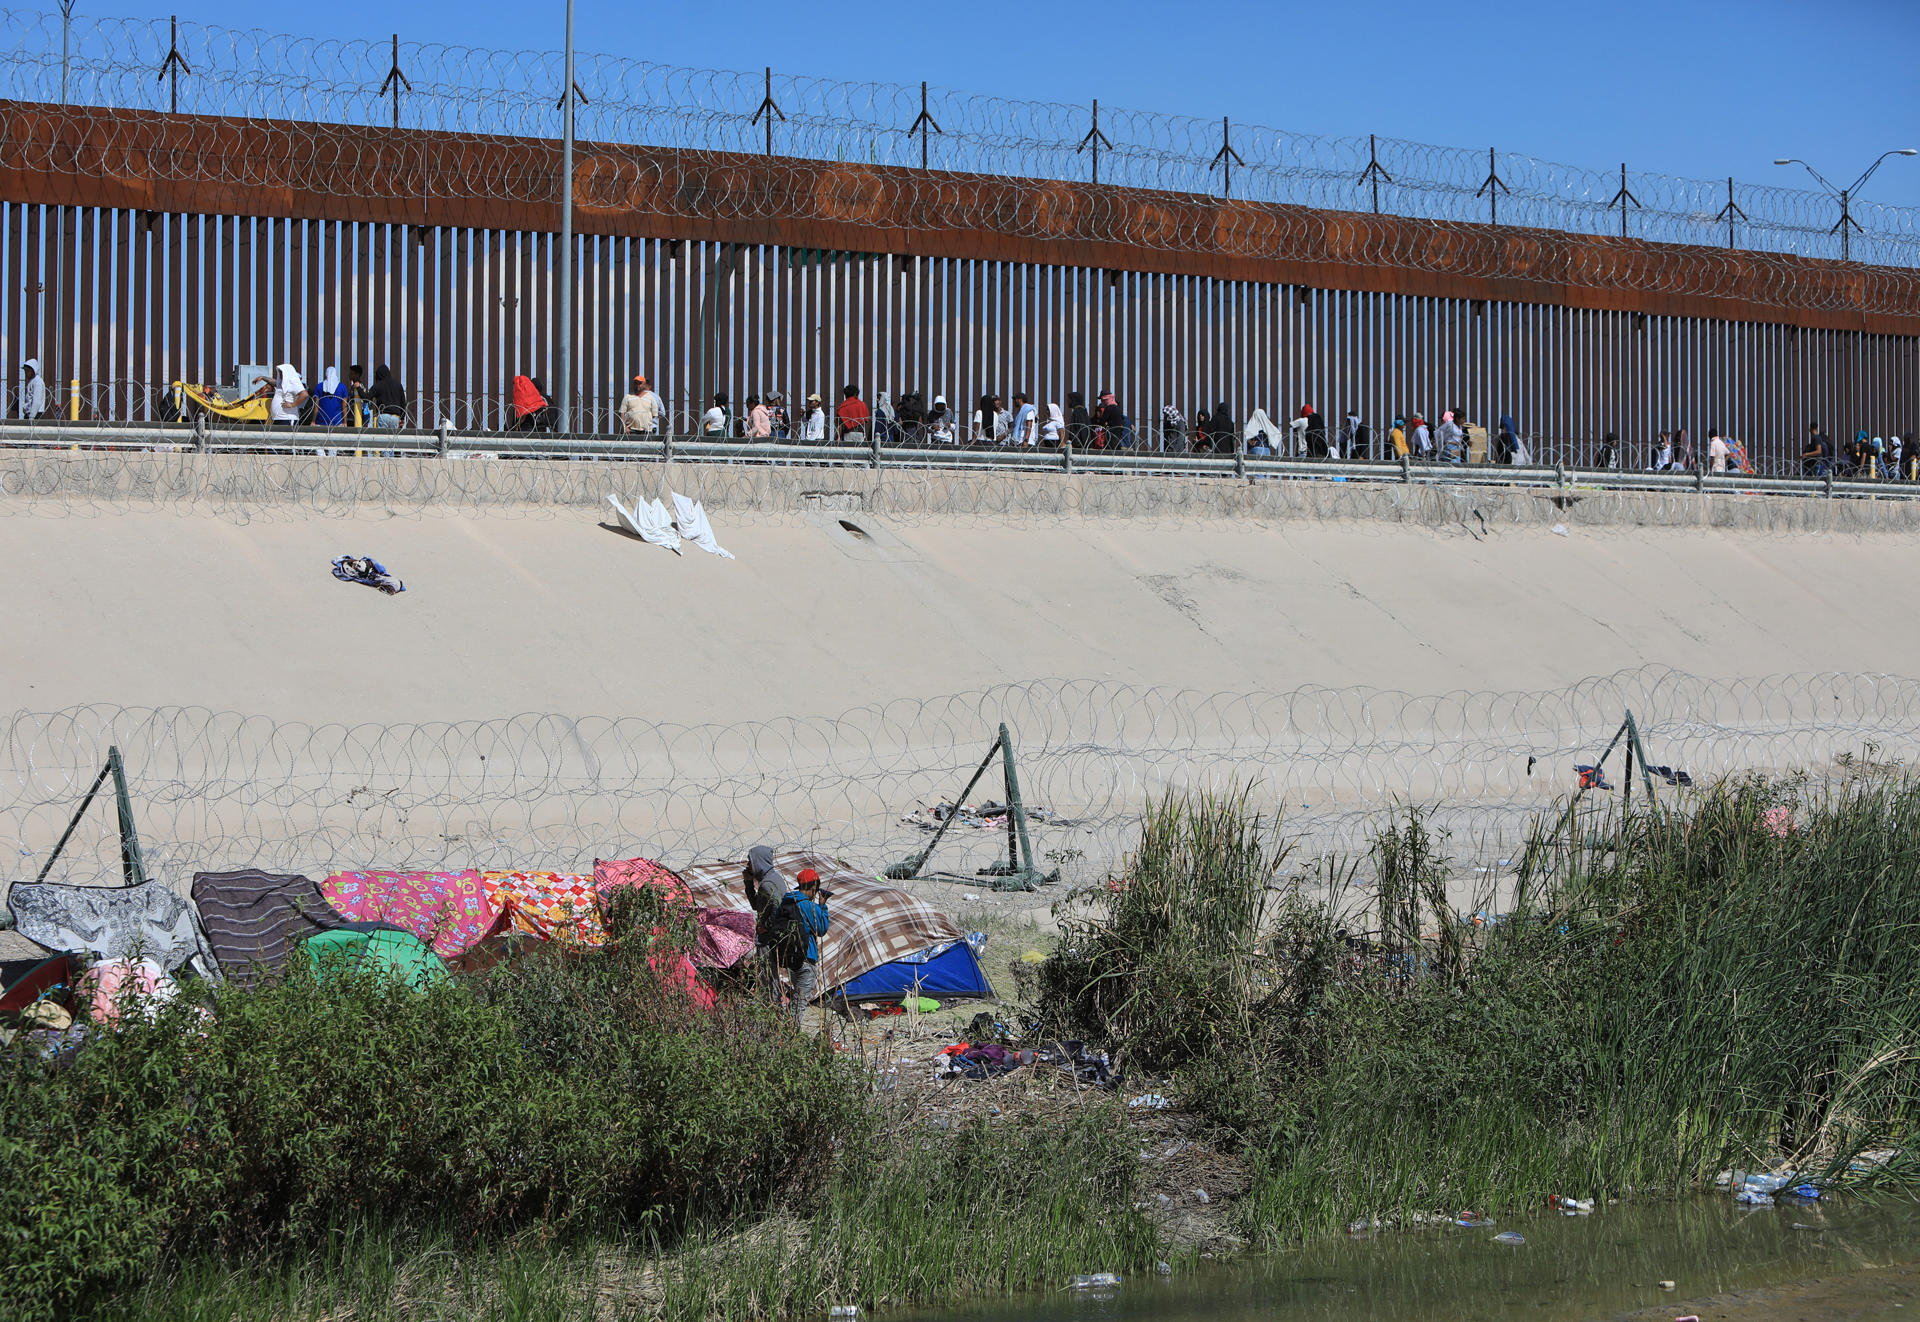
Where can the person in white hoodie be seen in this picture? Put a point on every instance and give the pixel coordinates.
(33, 391)
(1262, 436)
(285, 394)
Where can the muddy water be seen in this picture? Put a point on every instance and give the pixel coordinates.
(1859, 1260)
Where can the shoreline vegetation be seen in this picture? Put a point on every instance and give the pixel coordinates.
(1726, 981)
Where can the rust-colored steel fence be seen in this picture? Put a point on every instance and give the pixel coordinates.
(127, 302)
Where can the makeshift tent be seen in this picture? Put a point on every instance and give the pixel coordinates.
(114, 922)
(252, 919)
(448, 910)
(553, 906)
(611, 875)
(950, 972)
(872, 923)
(369, 948)
(27, 970)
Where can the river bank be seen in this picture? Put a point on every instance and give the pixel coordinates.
(1726, 980)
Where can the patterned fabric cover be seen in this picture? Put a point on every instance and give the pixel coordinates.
(725, 938)
(873, 923)
(447, 910)
(114, 922)
(554, 906)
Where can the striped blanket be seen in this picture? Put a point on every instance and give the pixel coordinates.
(252, 918)
(873, 923)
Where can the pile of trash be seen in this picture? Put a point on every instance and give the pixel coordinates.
(988, 816)
(974, 1061)
(368, 572)
(1765, 1188)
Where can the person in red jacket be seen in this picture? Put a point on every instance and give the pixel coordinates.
(853, 412)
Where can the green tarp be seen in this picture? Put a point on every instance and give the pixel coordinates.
(384, 952)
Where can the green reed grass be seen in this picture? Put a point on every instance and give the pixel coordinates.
(1693, 988)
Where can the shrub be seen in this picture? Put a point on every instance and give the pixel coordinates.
(301, 1105)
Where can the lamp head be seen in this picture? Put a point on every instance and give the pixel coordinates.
(1907, 151)
(1784, 161)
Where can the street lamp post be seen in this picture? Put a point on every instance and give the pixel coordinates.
(1846, 225)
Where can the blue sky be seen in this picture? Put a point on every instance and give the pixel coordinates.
(1705, 88)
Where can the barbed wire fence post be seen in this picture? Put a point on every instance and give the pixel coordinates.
(924, 124)
(176, 64)
(564, 372)
(1623, 199)
(1729, 212)
(1094, 141)
(1492, 189)
(395, 81)
(1374, 172)
(1226, 158)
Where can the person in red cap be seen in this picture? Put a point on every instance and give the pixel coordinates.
(797, 930)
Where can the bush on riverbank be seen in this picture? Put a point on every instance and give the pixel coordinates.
(1738, 979)
(558, 1092)
(914, 1215)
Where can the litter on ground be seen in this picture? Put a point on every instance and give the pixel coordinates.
(365, 570)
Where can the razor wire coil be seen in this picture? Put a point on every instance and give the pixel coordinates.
(216, 790)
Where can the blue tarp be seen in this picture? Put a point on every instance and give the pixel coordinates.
(943, 973)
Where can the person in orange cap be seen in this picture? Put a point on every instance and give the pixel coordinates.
(640, 409)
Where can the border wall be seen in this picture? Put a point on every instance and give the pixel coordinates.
(139, 248)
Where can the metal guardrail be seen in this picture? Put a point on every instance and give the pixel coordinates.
(449, 444)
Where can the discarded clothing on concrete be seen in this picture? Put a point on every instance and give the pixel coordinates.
(649, 521)
(691, 516)
(368, 571)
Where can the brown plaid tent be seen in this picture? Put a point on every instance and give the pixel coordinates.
(873, 923)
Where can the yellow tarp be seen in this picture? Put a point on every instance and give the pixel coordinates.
(247, 410)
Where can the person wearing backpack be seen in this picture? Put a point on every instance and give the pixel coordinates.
(795, 933)
(765, 888)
